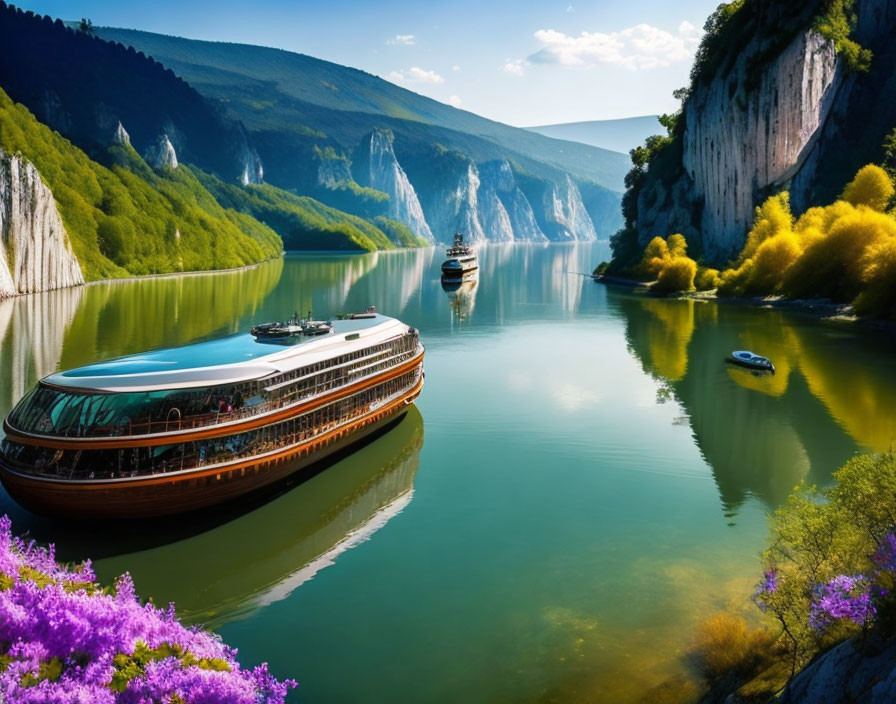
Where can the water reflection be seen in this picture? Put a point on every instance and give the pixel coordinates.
(254, 559)
(71, 327)
(833, 393)
(461, 297)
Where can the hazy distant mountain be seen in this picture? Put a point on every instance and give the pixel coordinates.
(328, 130)
(617, 135)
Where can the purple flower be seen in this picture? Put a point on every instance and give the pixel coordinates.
(66, 641)
(766, 587)
(844, 597)
(885, 556)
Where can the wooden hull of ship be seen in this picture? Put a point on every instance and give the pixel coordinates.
(161, 495)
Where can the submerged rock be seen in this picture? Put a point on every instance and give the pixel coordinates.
(36, 254)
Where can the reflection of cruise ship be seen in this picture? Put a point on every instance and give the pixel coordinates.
(183, 428)
(461, 263)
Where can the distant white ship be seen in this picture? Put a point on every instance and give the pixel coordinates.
(462, 262)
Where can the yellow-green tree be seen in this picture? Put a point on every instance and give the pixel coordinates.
(872, 187)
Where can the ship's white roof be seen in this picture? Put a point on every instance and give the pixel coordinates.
(225, 360)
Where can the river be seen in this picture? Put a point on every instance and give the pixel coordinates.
(583, 479)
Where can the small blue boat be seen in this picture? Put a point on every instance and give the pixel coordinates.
(751, 360)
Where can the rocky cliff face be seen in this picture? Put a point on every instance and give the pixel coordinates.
(846, 674)
(36, 254)
(773, 119)
(162, 155)
(566, 212)
(252, 169)
(121, 136)
(379, 168)
(505, 212)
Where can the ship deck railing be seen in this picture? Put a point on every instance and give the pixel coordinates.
(176, 423)
(355, 407)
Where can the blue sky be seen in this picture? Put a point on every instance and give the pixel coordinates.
(525, 62)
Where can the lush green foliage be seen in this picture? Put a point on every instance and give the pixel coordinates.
(82, 86)
(836, 22)
(821, 535)
(128, 219)
(302, 222)
(399, 233)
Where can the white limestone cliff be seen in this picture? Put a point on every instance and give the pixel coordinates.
(121, 135)
(504, 211)
(455, 208)
(736, 149)
(162, 154)
(36, 254)
(384, 173)
(565, 212)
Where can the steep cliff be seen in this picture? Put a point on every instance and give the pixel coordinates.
(504, 208)
(162, 154)
(36, 254)
(377, 167)
(771, 107)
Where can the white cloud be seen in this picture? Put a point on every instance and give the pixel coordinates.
(454, 101)
(640, 47)
(455, 68)
(570, 9)
(513, 67)
(402, 40)
(415, 75)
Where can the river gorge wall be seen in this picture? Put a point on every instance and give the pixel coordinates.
(784, 112)
(439, 192)
(36, 254)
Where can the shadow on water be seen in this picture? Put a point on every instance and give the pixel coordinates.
(833, 394)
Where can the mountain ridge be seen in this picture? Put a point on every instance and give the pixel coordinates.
(619, 135)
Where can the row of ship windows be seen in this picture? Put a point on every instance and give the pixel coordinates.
(53, 412)
(147, 461)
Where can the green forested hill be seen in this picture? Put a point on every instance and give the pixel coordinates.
(307, 99)
(128, 219)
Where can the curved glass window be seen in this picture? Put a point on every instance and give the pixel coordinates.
(144, 461)
(47, 410)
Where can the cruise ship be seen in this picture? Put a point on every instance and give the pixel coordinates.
(462, 262)
(179, 429)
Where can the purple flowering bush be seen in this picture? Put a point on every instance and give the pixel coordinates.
(831, 565)
(64, 639)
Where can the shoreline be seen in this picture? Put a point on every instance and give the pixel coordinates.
(819, 308)
(172, 274)
(145, 277)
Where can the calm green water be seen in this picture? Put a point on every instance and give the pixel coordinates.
(583, 479)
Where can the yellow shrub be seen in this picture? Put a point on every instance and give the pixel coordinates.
(726, 645)
(706, 279)
(879, 276)
(871, 187)
(772, 218)
(655, 253)
(677, 245)
(677, 274)
(832, 265)
(773, 259)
